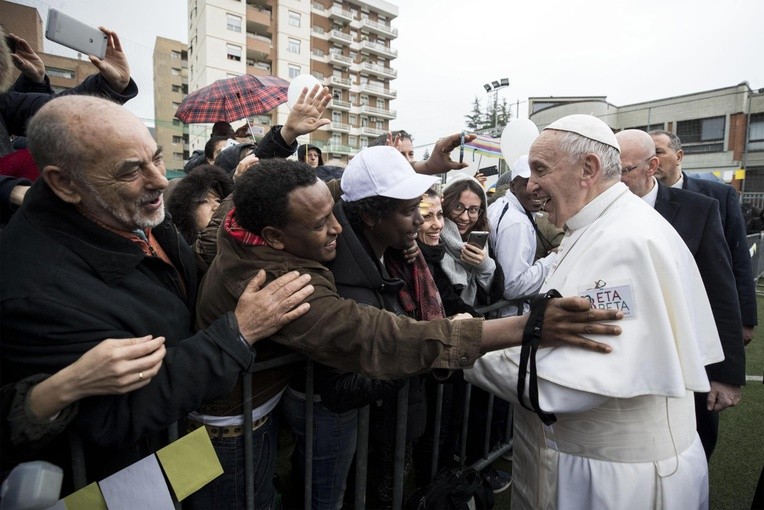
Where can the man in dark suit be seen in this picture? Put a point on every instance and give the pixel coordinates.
(668, 149)
(696, 218)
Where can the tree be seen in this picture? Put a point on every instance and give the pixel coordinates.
(426, 155)
(504, 113)
(476, 119)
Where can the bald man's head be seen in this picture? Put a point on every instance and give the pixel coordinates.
(99, 157)
(638, 161)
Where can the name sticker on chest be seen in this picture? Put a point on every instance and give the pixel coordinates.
(617, 296)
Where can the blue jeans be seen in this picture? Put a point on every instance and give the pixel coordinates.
(334, 442)
(228, 490)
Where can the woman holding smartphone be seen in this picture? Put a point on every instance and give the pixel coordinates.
(465, 232)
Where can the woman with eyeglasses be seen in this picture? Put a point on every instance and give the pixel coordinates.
(467, 265)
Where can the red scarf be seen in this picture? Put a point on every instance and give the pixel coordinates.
(419, 297)
(239, 233)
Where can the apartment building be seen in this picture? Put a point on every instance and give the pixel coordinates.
(170, 87)
(63, 72)
(722, 130)
(345, 44)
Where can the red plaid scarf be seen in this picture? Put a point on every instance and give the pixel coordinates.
(239, 233)
(419, 297)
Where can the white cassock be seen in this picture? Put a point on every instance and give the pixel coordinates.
(625, 432)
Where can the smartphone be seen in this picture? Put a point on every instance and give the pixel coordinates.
(478, 238)
(11, 43)
(489, 170)
(461, 148)
(75, 34)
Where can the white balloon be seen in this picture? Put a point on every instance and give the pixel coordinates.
(517, 138)
(300, 82)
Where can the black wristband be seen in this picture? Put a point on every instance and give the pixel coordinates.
(531, 342)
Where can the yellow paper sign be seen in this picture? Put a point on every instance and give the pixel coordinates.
(190, 463)
(87, 498)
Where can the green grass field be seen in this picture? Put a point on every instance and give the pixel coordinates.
(739, 455)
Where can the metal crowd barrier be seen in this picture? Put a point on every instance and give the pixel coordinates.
(756, 249)
(362, 450)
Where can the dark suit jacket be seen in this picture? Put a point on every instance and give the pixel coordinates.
(735, 234)
(696, 219)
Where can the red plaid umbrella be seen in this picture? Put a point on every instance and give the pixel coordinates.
(232, 99)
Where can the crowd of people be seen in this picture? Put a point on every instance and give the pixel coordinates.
(130, 303)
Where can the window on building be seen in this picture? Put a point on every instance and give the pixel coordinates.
(177, 156)
(336, 139)
(177, 139)
(293, 45)
(756, 133)
(233, 22)
(381, 103)
(175, 54)
(233, 52)
(649, 127)
(352, 141)
(702, 135)
(364, 100)
(380, 124)
(364, 143)
(294, 71)
(336, 116)
(353, 98)
(294, 18)
(175, 71)
(364, 122)
(318, 75)
(60, 73)
(176, 88)
(175, 104)
(176, 122)
(353, 119)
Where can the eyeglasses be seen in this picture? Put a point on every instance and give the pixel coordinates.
(473, 211)
(627, 169)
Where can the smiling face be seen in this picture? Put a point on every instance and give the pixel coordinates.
(206, 208)
(312, 229)
(555, 178)
(432, 213)
(466, 211)
(123, 174)
(528, 199)
(399, 230)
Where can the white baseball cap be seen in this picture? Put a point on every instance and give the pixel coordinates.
(521, 168)
(382, 171)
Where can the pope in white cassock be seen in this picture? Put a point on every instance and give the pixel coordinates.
(624, 435)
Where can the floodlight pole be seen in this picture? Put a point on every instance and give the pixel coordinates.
(494, 87)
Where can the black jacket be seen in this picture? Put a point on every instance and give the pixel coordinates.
(733, 224)
(360, 277)
(67, 283)
(696, 218)
(26, 97)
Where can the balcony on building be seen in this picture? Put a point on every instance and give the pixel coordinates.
(339, 104)
(340, 127)
(378, 91)
(258, 19)
(378, 49)
(338, 81)
(258, 46)
(370, 131)
(377, 112)
(375, 27)
(339, 60)
(340, 37)
(258, 68)
(376, 69)
(337, 148)
(337, 13)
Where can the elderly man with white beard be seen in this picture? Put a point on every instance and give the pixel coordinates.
(612, 431)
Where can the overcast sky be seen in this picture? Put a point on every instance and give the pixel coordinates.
(629, 51)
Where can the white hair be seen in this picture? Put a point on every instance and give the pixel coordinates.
(577, 146)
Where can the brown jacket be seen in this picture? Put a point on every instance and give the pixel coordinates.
(338, 332)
